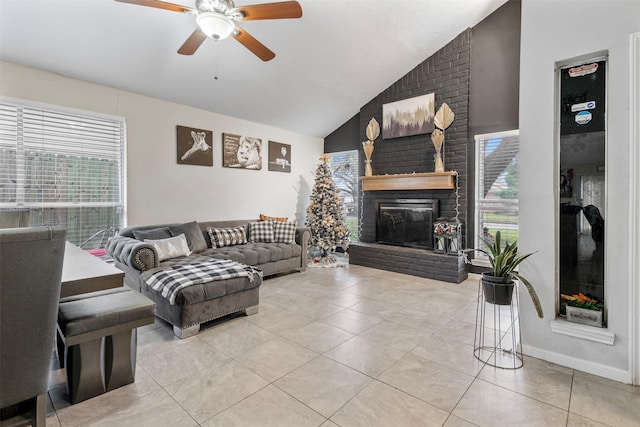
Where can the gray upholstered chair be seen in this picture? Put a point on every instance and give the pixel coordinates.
(30, 274)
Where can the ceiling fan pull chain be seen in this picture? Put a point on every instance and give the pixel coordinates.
(216, 60)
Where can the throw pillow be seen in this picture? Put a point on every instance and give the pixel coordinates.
(273, 218)
(230, 236)
(261, 232)
(173, 247)
(194, 236)
(284, 232)
(153, 233)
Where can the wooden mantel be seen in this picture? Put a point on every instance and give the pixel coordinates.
(410, 181)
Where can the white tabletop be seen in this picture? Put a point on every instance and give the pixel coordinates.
(83, 272)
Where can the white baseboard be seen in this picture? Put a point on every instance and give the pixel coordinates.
(620, 375)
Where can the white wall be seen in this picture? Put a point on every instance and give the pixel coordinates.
(160, 190)
(552, 31)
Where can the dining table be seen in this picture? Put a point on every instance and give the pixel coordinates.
(83, 272)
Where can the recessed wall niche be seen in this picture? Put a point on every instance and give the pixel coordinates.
(581, 179)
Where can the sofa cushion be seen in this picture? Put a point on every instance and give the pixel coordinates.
(255, 254)
(204, 291)
(289, 250)
(192, 232)
(261, 232)
(173, 247)
(273, 218)
(284, 232)
(221, 237)
(152, 234)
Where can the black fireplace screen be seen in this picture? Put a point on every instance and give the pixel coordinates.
(406, 222)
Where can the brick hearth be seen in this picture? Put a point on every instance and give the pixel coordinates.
(416, 262)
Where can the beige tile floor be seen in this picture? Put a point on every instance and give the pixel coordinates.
(348, 346)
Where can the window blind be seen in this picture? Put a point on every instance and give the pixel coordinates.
(344, 165)
(63, 169)
(496, 207)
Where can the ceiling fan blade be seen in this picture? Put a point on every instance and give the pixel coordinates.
(160, 5)
(248, 41)
(279, 10)
(192, 44)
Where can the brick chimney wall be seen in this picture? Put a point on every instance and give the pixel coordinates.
(446, 73)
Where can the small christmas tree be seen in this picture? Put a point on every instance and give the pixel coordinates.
(325, 213)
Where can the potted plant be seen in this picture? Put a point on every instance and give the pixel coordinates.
(583, 309)
(498, 283)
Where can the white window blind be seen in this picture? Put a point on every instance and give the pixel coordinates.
(496, 207)
(63, 168)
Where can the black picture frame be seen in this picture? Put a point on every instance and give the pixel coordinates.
(241, 152)
(279, 157)
(194, 146)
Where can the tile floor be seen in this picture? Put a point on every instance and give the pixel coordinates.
(349, 346)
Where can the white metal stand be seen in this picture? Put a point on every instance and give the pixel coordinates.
(497, 343)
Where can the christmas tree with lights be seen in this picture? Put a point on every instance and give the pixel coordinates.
(325, 214)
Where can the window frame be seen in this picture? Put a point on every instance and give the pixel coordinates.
(115, 127)
(479, 259)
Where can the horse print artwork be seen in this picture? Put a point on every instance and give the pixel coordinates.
(241, 152)
(195, 146)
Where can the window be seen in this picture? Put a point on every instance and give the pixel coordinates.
(63, 168)
(344, 165)
(496, 207)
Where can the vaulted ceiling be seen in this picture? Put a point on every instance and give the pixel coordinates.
(328, 63)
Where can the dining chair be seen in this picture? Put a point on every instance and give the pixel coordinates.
(30, 273)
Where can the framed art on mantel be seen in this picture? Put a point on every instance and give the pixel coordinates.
(194, 146)
(413, 116)
(279, 157)
(242, 152)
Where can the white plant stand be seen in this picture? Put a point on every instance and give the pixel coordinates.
(497, 332)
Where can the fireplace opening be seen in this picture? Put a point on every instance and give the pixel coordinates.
(406, 222)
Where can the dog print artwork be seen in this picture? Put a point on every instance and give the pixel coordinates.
(241, 152)
(195, 146)
(279, 157)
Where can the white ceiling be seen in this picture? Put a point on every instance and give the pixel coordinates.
(329, 63)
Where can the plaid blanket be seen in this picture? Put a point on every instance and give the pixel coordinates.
(168, 282)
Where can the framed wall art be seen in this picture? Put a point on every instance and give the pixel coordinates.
(413, 116)
(194, 146)
(279, 157)
(242, 152)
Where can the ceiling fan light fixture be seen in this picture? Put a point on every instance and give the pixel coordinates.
(215, 25)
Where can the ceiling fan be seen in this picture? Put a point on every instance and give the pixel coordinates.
(217, 19)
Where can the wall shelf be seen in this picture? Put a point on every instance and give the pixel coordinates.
(410, 181)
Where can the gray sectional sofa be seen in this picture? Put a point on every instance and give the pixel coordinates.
(203, 302)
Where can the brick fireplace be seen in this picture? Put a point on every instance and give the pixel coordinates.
(413, 259)
(446, 73)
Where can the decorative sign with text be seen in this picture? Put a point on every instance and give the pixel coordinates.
(582, 98)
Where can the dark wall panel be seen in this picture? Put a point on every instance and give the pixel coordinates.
(495, 71)
(345, 137)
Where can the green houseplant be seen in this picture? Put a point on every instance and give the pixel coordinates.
(498, 283)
